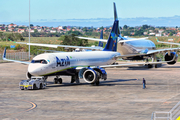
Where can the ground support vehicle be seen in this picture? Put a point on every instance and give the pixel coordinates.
(33, 83)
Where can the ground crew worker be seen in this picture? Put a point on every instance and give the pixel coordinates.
(144, 83)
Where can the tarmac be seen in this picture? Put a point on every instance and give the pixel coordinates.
(120, 97)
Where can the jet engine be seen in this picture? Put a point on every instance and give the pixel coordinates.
(28, 75)
(92, 75)
(170, 57)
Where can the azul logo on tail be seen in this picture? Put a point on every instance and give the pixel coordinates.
(62, 62)
(112, 40)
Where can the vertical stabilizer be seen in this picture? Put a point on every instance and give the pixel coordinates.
(101, 37)
(112, 40)
(115, 13)
(116, 18)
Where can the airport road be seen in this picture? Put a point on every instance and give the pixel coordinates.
(120, 97)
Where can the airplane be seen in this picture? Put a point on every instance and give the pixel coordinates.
(130, 47)
(89, 66)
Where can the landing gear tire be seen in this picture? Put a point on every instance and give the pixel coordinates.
(41, 86)
(156, 65)
(34, 87)
(60, 80)
(97, 83)
(55, 81)
(150, 66)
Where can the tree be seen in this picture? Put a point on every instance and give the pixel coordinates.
(73, 32)
(72, 40)
(31, 25)
(64, 27)
(101, 28)
(85, 29)
(35, 30)
(125, 27)
(170, 34)
(145, 27)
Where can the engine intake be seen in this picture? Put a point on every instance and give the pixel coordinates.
(90, 76)
(170, 57)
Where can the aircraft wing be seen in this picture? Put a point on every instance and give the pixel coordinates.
(133, 39)
(140, 63)
(104, 40)
(56, 46)
(94, 39)
(162, 50)
(170, 43)
(4, 58)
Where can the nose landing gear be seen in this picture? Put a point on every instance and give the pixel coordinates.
(57, 80)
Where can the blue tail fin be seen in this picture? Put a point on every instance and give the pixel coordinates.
(101, 37)
(116, 18)
(112, 40)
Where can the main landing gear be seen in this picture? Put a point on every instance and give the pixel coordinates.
(75, 78)
(57, 80)
(153, 60)
(96, 83)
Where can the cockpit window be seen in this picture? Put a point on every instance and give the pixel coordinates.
(39, 61)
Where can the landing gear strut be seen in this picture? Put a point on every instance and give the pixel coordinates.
(57, 80)
(96, 83)
(75, 78)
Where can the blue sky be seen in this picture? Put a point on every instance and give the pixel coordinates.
(18, 10)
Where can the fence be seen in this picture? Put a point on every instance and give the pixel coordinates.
(16, 56)
(173, 114)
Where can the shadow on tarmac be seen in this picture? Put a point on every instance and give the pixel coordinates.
(146, 67)
(102, 83)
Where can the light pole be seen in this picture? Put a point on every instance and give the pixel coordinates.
(29, 30)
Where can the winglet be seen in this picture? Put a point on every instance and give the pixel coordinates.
(4, 54)
(11, 40)
(157, 39)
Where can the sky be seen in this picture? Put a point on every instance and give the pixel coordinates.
(43, 10)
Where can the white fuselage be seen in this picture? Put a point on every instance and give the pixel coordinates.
(50, 63)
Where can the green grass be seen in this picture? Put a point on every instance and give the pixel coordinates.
(46, 40)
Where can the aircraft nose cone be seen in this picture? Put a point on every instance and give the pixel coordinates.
(32, 69)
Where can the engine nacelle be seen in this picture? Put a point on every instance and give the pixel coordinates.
(170, 57)
(91, 75)
(28, 75)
